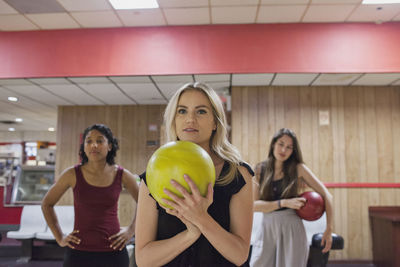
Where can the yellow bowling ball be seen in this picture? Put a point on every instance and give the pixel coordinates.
(172, 161)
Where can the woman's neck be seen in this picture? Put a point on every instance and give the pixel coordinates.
(96, 166)
(278, 167)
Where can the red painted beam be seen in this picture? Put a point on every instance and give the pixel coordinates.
(362, 185)
(252, 48)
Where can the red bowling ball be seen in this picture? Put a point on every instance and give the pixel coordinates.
(313, 208)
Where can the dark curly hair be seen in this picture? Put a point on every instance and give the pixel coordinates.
(106, 131)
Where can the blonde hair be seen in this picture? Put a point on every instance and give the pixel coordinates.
(219, 143)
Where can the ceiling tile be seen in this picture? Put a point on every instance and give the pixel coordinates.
(168, 89)
(24, 103)
(73, 93)
(131, 79)
(328, 13)
(295, 79)
(143, 17)
(14, 82)
(88, 80)
(4, 94)
(336, 78)
(97, 19)
(53, 21)
(371, 13)
(141, 91)
(6, 8)
(16, 23)
(32, 118)
(206, 78)
(86, 5)
(36, 6)
(108, 93)
(43, 81)
(251, 79)
(182, 3)
(234, 2)
(283, 2)
(233, 15)
(219, 86)
(38, 94)
(173, 78)
(377, 79)
(187, 16)
(280, 14)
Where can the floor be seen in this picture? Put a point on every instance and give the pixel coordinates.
(13, 260)
(10, 262)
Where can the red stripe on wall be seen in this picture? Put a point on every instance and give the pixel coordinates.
(362, 185)
(10, 143)
(250, 48)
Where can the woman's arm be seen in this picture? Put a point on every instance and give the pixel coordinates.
(312, 181)
(262, 205)
(149, 251)
(65, 181)
(122, 238)
(233, 245)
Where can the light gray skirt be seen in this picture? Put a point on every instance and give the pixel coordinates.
(279, 240)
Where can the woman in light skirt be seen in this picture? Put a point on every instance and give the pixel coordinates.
(278, 237)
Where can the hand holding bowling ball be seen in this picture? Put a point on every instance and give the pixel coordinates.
(313, 208)
(172, 161)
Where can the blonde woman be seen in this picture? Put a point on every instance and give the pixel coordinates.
(200, 231)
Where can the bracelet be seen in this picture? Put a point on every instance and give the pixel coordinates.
(279, 203)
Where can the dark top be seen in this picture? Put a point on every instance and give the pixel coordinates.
(201, 252)
(96, 212)
(277, 185)
(277, 189)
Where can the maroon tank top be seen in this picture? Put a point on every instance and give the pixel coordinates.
(96, 212)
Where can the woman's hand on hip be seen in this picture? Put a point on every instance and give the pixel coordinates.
(119, 240)
(69, 240)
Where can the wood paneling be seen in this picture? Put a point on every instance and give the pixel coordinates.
(360, 144)
(129, 124)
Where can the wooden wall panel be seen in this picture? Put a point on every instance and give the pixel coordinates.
(306, 125)
(360, 144)
(129, 124)
(263, 124)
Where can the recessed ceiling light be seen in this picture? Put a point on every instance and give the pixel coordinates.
(11, 129)
(133, 4)
(379, 2)
(12, 98)
(51, 129)
(18, 120)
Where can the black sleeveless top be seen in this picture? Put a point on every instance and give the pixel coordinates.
(201, 252)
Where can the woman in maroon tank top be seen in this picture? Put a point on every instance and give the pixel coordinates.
(96, 183)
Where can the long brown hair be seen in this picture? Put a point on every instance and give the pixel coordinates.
(291, 182)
